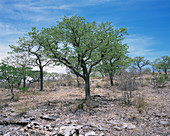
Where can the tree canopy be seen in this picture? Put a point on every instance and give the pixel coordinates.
(81, 45)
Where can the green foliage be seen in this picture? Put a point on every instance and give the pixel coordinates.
(51, 76)
(24, 89)
(32, 43)
(10, 75)
(162, 80)
(81, 45)
(139, 63)
(34, 76)
(22, 61)
(161, 64)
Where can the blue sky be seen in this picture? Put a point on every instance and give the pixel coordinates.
(147, 21)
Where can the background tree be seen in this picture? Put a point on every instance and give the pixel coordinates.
(10, 76)
(77, 43)
(139, 63)
(161, 64)
(116, 57)
(155, 66)
(165, 64)
(22, 61)
(33, 76)
(32, 43)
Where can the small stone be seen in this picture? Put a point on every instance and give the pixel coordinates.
(53, 125)
(128, 126)
(48, 117)
(1, 133)
(12, 110)
(165, 123)
(32, 118)
(90, 133)
(37, 126)
(117, 128)
(102, 134)
(23, 122)
(48, 128)
(29, 126)
(35, 123)
(54, 133)
(114, 123)
(7, 134)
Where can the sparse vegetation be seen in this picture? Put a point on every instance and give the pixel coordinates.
(141, 105)
(97, 64)
(128, 84)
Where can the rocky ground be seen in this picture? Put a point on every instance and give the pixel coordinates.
(63, 112)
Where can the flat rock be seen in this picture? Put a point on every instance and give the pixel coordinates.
(90, 133)
(23, 122)
(128, 126)
(70, 130)
(165, 123)
(117, 128)
(50, 118)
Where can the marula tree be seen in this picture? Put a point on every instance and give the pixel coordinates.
(139, 63)
(10, 76)
(79, 45)
(32, 43)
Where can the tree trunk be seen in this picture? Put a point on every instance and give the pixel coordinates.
(140, 71)
(41, 78)
(19, 83)
(111, 79)
(12, 92)
(78, 83)
(24, 82)
(165, 70)
(87, 86)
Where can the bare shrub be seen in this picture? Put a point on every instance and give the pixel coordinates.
(22, 108)
(127, 83)
(141, 105)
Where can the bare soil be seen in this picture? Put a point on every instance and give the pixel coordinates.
(105, 114)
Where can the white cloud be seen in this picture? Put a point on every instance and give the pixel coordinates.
(39, 8)
(7, 29)
(3, 51)
(143, 46)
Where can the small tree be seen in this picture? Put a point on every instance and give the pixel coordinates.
(139, 63)
(33, 76)
(165, 64)
(11, 76)
(22, 61)
(32, 43)
(160, 64)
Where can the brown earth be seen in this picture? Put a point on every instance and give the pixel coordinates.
(64, 111)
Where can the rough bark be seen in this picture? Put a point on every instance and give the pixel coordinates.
(41, 78)
(87, 87)
(24, 82)
(12, 92)
(111, 79)
(78, 82)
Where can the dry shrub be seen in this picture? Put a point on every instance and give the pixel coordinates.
(65, 80)
(22, 108)
(141, 105)
(16, 98)
(127, 83)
